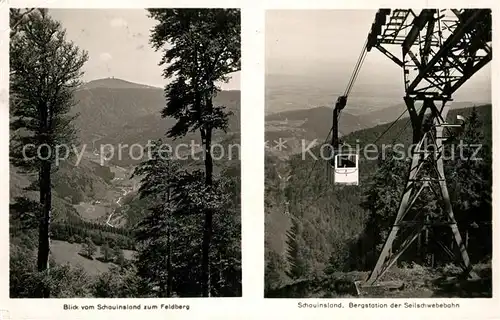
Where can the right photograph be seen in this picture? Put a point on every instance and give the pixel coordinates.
(378, 167)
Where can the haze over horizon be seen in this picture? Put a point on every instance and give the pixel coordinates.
(117, 42)
(321, 55)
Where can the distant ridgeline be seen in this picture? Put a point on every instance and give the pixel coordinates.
(118, 112)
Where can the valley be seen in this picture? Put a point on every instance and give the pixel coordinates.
(99, 191)
(103, 210)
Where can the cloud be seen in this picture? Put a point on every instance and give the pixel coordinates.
(140, 47)
(105, 56)
(118, 23)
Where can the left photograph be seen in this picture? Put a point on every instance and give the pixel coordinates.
(125, 153)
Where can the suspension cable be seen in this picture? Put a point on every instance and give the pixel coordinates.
(355, 73)
(353, 79)
(398, 135)
(389, 128)
(314, 164)
(350, 84)
(357, 68)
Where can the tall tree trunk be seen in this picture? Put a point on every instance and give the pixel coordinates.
(169, 250)
(207, 229)
(45, 192)
(43, 232)
(467, 238)
(169, 265)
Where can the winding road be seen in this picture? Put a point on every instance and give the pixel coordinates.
(125, 192)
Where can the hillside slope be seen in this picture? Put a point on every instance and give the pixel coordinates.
(119, 113)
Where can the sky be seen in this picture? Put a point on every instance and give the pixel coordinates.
(117, 42)
(325, 45)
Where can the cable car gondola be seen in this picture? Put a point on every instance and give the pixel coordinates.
(344, 163)
(346, 168)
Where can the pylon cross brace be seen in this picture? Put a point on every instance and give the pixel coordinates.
(421, 175)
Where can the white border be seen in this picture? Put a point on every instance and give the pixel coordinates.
(252, 305)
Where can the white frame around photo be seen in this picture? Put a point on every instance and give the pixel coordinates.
(252, 305)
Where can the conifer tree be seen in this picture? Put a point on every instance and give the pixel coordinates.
(154, 232)
(45, 70)
(203, 49)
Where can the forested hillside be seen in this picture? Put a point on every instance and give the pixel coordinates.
(315, 229)
(115, 112)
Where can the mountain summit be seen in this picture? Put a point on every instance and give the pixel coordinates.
(114, 83)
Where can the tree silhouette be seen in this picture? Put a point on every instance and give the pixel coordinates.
(45, 71)
(89, 248)
(154, 231)
(470, 180)
(204, 49)
(119, 256)
(106, 252)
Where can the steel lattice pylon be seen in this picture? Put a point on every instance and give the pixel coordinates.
(439, 50)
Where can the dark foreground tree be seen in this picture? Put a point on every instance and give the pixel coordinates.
(201, 48)
(20, 16)
(168, 260)
(89, 248)
(470, 179)
(106, 252)
(45, 71)
(154, 231)
(381, 198)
